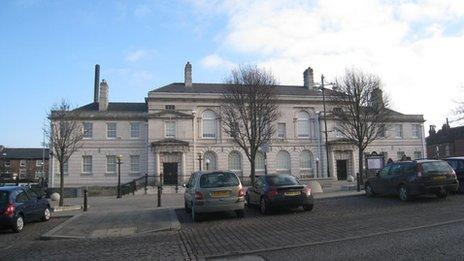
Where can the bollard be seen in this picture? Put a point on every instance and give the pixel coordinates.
(133, 187)
(159, 195)
(85, 199)
(177, 188)
(146, 183)
(357, 182)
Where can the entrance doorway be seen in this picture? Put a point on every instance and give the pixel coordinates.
(170, 173)
(342, 169)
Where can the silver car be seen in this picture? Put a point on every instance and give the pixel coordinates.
(214, 191)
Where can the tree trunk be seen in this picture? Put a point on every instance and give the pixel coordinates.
(360, 164)
(252, 172)
(61, 184)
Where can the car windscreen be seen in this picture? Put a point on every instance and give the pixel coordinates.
(436, 167)
(3, 197)
(282, 180)
(218, 180)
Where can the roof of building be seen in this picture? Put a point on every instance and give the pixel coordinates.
(178, 87)
(117, 107)
(24, 153)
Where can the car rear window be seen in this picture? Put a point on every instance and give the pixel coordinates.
(436, 167)
(218, 180)
(3, 197)
(282, 180)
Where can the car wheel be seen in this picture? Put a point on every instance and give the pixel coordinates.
(442, 194)
(240, 213)
(404, 193)
(247, 201)
(308, 207)
(18, 224)
(46, 214)
(264, 206)
(369, 190)
(195, 215)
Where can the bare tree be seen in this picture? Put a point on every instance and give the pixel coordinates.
(249, 109)
(362, 109)
(64, 133)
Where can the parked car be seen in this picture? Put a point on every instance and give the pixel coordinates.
(280, 190)
(410, 178)
(19, 205)
(214, 191)
(457, 163)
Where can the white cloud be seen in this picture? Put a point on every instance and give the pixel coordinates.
(138, 55)
(402, 41)
(214, 61)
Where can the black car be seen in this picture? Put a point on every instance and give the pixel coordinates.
(20, 204)
(280, 190)
(410, 178)
(457, 163)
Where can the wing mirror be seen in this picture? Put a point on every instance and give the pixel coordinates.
(185, 185)
(377, 173)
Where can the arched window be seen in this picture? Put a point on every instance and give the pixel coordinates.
(306, 160)
(209, 161)
(303, 124)
(259, 161)
(209, 124)
(283, 160)
(235, 161)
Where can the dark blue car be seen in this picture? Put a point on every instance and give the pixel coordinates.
(19, 205)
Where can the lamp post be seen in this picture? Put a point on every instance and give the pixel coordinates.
(3, 168)
(317, 167)
(325, 125)
(119, 175)
(207, 161)
(200, 159)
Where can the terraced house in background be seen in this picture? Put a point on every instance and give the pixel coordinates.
(181, 122)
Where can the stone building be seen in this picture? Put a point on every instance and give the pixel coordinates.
(27, 164)
(446, 142)
(180, 122)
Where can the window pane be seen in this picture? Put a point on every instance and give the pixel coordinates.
(209, 161)
(283, 160)
(170, 129)
(303, 125)
(88, 129)
(111, 164)
(135, 130)
(306, 160)
(398, 131)
(281, 130)
(135, 163)
(417, 154)
(87, 164)
(209, 124)
(235, 161)
(259, 162)
(111, 130)
(218, 179)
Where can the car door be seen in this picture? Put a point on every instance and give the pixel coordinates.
(37, 206)
(394, 178)
(255, 190)
(379, 183)
(25, 205)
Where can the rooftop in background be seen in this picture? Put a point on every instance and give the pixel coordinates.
(24, 153)
(117, 106)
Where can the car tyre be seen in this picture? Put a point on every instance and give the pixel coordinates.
(442, 194)
(369, 190)
(264, 206)
(46, 214)
(247, 201)
(308, 207)
(403, 193)
(186, 208)
(240, 213)
(18, 224)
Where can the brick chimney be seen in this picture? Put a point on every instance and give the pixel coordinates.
(308, 78)
(95, 84)
(103, 103)
(432, 130)
(188, 75)
(377, 98)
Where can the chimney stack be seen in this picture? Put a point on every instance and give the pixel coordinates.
(103, 103)
(432, 130)
(188, 75)
(95, 84)
(377, 98)
(308, 78)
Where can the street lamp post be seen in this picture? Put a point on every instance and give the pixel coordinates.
(325, 126)
(317, 167)
(207, 161)
(3, 170)
(119, 175)
(200, 159)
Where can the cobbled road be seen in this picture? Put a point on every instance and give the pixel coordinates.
(349, 228)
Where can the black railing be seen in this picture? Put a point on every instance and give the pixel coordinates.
(139, 183)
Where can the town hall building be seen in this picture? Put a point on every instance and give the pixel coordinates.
(179, 127)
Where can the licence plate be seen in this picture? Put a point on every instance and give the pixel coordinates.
(292, 193)
(440, 179)
(220, 194)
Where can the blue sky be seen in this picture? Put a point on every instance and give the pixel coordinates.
(48, 49)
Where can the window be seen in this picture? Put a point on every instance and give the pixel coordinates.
(218, 180)
(398, 130)
(22, 163)
(22, 197)
(22, 171)
(281, 132)
(110, 164)
(65, 168)
(382, 132)
(135, 163)
(259, 161)
(170, 107)
(209, 124)
(235, 161)
(338, 133)
(306, 160)
(135, 130)
(38, 163)
(111, 130)
(170, 129)
(399, 155)
(88, 130)
(209, 161)
(303, 124)
(385, 171)
(416, 131)
(283, 160)
(417, 154)
(7, 163)
(282, 180)
(87, 164)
